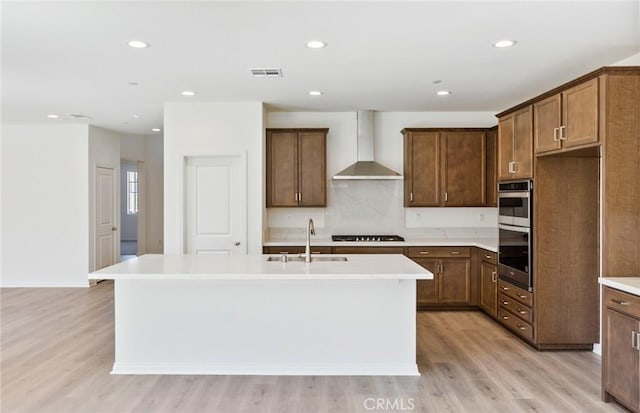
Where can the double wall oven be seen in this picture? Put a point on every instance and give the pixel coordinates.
(515, 236)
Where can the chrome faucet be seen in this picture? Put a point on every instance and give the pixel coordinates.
(310, 231)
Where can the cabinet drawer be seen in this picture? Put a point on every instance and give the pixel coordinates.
(517, 293)
(515, 324)
(295, 250)
(515, 307)
(368, 250)
(438, 252)
(622, 302)
(488, 256)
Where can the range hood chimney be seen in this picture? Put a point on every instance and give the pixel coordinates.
(366, 167)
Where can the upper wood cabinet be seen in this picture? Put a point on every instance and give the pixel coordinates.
(444, 167)
(492, 167)
(296, 167)
(515, 145)
(567, 119)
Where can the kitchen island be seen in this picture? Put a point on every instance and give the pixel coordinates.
(243, 314)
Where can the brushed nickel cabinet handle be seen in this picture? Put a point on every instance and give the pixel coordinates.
(634, 339)
(511, 167)
(521, 312)
(411, 197)
(424, 253)
(505, 288)
(555, 135)
(455, 253)
(494, 277)
(505, 303)
(638, 341)
(487, 256)
(562, 133)
(504, 317)
(521, 296)
(283, 252)
(521, 327)
(620, 302)
(446, 197)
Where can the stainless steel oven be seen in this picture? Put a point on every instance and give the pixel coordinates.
(515, 233)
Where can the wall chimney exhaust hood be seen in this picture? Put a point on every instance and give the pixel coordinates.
(366, 167)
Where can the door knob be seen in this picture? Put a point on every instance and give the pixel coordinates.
(237, 243)
(114, 228)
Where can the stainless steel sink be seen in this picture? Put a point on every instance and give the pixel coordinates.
(297, 258)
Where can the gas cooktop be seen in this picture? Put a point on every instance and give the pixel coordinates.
(367, 238)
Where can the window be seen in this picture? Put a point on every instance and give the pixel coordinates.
(132, 192)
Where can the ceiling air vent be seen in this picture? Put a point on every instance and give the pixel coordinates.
(78, 116)
(266, 72)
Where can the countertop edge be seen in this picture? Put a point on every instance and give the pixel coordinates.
(630, 285)
(439, 243)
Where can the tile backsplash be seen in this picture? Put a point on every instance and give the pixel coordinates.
(377, 207)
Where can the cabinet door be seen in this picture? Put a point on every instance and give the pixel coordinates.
(523, 143)
(505, 147)
(492, 167)
(546, 124)
(312, 169)
(580, 114)
(427, 290)
(621, 372)
(488, 288)
(282, 174)
(423, 184)
(464, 161)
(454, 283)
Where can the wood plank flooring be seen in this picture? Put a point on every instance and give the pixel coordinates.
(57, 352)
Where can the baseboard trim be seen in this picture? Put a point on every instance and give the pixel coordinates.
(44, 285)
(261, 370)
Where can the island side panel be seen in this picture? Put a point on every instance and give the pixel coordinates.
(280, 327)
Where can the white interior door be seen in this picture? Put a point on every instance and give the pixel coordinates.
(216, 204)
(106, 230)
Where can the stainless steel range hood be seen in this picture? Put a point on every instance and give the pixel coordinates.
(366, 167)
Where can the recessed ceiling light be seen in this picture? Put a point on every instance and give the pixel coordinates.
(443, 92)
(53, 116)
(155, 130)
(504, 43)
(315, 93)
(136, 116)
(138, 44)
(316, 44)
(188, 93)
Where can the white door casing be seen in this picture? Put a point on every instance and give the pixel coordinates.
(215, 205)
(105, 205)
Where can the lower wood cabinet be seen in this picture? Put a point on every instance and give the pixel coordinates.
(621, 348)
(452, 284)
(488, 290)
(515, 310)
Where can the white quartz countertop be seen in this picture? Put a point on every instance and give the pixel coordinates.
(490, 244)
(256, 267)
(627, 284)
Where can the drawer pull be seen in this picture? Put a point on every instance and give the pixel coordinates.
(488, 257)
(634, 339)
(638, 341)
(505, 288)
(424, 253)
(521, 312)
(620, 302)
(522, 297)
(494, 277)
(455, 252)
(505, 303)
(283, 252)
(522, 328)
(504, 317)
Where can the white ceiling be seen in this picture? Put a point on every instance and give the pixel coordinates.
(72, 57)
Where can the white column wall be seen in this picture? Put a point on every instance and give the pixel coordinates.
(207, 128)
(45, 220)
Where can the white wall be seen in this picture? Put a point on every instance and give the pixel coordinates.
(104, 151)
(197, 129)
(375, 206)
(633, 60)
(128, 222)
(44, 205)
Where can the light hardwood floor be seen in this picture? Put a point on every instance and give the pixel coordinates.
(57, 352)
